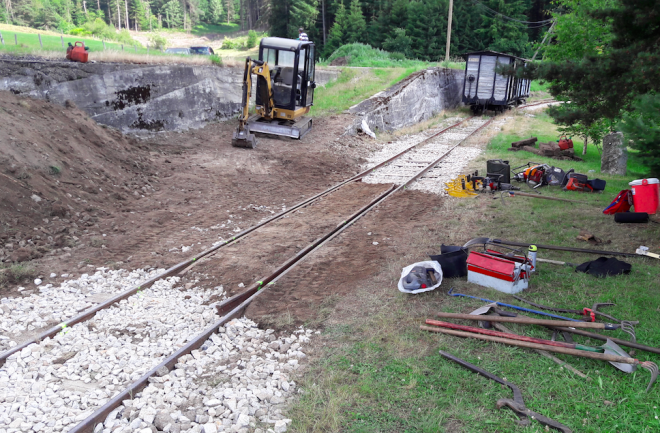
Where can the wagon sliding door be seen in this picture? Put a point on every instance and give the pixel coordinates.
(492, 86)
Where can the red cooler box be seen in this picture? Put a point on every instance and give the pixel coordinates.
(645, 195)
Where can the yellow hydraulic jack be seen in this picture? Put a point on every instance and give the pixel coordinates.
(461, 187)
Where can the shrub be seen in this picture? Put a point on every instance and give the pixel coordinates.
(228, 44)
(252, 39)
(158, 42)
(216, 60)
(397, 56)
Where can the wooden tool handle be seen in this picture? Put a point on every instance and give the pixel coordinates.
(523, 320)
(574, 352)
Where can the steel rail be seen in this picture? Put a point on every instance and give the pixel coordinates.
(87, 314)
(234, 306)
(545, 101)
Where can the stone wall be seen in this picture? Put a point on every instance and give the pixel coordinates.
(415, 99)
(134, 97)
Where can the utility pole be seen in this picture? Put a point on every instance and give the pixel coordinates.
(451, 9)
(543, 42)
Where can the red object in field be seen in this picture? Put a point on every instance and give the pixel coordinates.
(77, 53)
(565, 143)
(645, 195)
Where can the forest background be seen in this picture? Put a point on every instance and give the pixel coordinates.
(414, 28)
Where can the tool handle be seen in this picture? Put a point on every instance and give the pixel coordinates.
(529, 321)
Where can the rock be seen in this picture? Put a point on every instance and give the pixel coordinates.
(201, 419)
(280, 426)
(213, 402)
(162, 371)
(53, 275)
(614, 158)
(243, 421)
(37, 281)
(210, 428)
(162, 419)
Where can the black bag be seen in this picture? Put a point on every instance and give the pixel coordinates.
(597, 184)
(453, 261)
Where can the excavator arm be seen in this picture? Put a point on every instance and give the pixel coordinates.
(242, 137)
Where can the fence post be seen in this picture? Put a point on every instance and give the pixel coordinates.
(62, 38)
(40, 43)
(122, 47)
(2, 39)
(147, 46)
(135, 46)
(103, 40)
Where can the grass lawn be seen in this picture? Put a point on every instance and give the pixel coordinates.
(376, 371)
(354, 86)
(29, 43)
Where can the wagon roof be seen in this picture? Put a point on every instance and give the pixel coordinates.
(495, 53)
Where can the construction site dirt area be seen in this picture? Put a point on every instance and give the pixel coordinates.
(77, 196)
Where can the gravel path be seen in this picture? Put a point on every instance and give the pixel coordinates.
(52, 385)
(411, 163)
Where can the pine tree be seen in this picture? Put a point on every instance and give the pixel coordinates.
(356, 26)
(337, 35)
(642, 127)
(303, 14)
(501, 34)
(215, 11)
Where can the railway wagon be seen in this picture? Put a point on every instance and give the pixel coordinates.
(484, 89)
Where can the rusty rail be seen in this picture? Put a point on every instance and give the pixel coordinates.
(234, 306)
(87, 314)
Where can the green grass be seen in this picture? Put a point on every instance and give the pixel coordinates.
(29, 42)
(355, 85)
(537, 86)
(378, 372)
(361, 55)
(541, 126)
(205, 29)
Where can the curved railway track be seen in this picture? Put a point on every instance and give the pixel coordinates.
(235, 306)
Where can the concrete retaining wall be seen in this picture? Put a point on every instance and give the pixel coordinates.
(417, 98)
(134, 97)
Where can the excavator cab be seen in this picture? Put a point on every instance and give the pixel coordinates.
(285, 91)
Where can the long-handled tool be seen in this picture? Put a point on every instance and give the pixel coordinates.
(588, 313)
(632, 344)
(523, 320)
(648, 365)
(609, 347)
(545, 247)
(517, 404)
(515, 307)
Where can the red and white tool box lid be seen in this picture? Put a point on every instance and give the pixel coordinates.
(492, 264)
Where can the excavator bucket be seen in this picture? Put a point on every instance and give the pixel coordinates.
(244, 139)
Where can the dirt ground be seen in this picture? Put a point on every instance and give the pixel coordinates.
(76, 196)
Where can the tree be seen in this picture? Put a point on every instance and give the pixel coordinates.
(173, 14)
(337, 36)
(501, 34)
(215, 11)
(399, 44)
(356, 26)
(615, 75)
(642, 127)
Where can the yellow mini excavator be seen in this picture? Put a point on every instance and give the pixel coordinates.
(285, 91)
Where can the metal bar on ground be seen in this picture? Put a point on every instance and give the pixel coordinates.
(596, 336)
(559, 248)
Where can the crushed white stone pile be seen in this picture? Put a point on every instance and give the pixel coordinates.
(53, 385)
(402, 169)
(240, 380)
(53, 305)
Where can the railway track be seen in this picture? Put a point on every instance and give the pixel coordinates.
(155, 331)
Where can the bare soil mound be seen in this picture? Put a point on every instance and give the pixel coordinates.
(59, 171)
